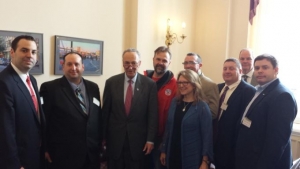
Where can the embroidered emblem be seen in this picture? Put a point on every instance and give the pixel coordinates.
(168, 92)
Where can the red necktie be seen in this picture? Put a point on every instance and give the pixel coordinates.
(222, 100)
(33, 97)
(128, 97)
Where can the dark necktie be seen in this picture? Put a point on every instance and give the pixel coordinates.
(81, 100)
(222, 100)
(245, 77)
(33, 97)
(128, 97)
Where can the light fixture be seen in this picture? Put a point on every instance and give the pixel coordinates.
(171, 37)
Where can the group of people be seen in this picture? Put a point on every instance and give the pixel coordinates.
(146, 121)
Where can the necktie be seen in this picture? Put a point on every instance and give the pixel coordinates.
(33, 97)
(81, 100)
(222, 100)
(245, 77)
(128, 97)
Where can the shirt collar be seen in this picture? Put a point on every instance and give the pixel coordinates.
(234, 85)
(75, 86)
(250, 73)
(22, 75)
(262, 87)
(133, 79)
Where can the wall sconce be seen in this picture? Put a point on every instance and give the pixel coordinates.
(171, 37)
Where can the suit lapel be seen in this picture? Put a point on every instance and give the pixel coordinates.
(68, 91)
(262, 95)
(236, 92)
(138, 89)
(24, 90)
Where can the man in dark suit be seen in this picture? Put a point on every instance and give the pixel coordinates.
(235, 95)
(73, 113)
(21, 116)
(246, 59)
(264, 135)
(130, 115)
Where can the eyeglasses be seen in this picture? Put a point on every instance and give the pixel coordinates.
(189, 63)
(132, 64)
(182, 83)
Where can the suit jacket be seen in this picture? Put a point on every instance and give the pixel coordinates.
(142, 122)
(72, 135)
(253, 80)
(266, 143)
(210, 90)
(196, 135)
(227, 125)
(21, 131)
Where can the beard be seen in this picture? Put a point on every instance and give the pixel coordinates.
(159, 69)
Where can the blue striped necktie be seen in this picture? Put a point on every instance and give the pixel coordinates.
(81, 100)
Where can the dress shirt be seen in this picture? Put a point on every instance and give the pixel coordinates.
(250, 75)
(81, 86)
(231, 89)
(23, 77)
(126, 84)
(259, 90)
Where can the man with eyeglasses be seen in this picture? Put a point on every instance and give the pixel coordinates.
(73, 112)
(246, 60)
(193, 62)
(166, 90)
(130, 115)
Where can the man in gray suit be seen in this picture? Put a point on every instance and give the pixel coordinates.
(130, 115)
(210, 89)
(246, 59)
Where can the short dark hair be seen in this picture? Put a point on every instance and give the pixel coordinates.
(238, 64)
(15, 42)
(268, 57)
(72, 52)
(199, 59)
(132, 50)
(163, 49)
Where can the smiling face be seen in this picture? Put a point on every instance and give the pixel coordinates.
(246, 61)
(185, 87)
(231, 72)
(264, 71)
(161, 62)
(190, 62)
(73, 68)
(25, 55)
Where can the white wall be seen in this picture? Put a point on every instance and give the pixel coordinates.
(214, 29)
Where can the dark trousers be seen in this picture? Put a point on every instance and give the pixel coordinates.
(126, 161)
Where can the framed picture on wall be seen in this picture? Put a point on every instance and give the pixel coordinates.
(91, 51)
(6, 38)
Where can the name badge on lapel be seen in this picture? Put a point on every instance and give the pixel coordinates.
(42, 100)
(246, 122)
(96, 101)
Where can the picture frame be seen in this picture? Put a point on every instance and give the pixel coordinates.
(6, 38)
(91, 50)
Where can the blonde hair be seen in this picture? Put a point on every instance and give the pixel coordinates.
(194, 79)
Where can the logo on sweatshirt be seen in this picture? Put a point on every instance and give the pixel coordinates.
(168, 92)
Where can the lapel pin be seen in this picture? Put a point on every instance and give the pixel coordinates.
(137, 89)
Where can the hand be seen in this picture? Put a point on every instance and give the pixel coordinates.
(163, 159)
(148, 148)
(22, 168)
(203, 165)
(47, 157)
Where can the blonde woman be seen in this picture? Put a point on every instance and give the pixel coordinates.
(187, 141)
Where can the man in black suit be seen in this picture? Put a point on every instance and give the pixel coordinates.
(235, 94)
(264, 135)
(130, 115)
(21, 116)
(246, 59)
(73, 113)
